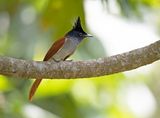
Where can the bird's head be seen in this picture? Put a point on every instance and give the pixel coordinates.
(77, 31)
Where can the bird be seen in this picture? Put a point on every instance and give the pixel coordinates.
(62, 49)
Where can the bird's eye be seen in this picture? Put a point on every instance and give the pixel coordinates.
(80, 34)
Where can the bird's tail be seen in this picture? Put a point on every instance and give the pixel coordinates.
(34, 88)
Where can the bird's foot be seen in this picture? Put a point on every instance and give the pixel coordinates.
(69, 60)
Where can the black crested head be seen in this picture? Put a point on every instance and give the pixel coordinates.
(77, 26)
(77, 31)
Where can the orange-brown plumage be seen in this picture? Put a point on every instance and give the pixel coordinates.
(54, 48)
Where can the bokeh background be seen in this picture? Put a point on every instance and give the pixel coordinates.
(29, 27)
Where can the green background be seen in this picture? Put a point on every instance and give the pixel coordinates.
(27, 30)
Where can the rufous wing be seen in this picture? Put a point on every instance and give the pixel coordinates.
(54, 48)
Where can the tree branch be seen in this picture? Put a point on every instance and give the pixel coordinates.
(80, 69)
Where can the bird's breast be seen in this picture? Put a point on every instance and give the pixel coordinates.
(67, 49)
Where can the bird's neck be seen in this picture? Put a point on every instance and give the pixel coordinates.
(76, 40)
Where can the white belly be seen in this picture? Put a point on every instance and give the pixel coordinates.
(67, 49)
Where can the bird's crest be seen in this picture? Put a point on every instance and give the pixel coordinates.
(77, 25)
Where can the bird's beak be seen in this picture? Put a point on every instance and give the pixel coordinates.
(88, 35)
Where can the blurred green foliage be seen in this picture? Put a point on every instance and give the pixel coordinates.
(27, 29)
(130, 8)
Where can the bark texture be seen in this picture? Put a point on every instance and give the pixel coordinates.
(80, 69)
